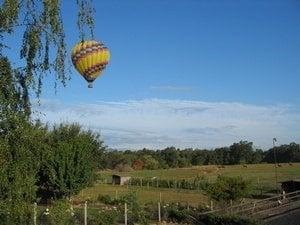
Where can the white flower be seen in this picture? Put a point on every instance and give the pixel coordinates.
(46, 212)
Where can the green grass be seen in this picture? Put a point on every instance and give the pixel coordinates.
(262, 176)
(144, 194)
(262, 173)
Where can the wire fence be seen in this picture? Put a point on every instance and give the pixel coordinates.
(129, 212)
(86, 213)
(261, 206)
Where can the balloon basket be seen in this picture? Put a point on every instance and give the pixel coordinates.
(90, 85)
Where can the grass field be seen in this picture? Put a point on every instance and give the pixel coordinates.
(144, 194)
(261, 175)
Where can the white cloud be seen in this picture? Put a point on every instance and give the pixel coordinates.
(158, 123)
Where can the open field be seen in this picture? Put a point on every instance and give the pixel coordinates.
(262, 176)
(259, 173)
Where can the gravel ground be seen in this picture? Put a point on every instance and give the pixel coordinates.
(289, 218)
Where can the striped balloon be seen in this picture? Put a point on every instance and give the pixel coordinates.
(90, 59)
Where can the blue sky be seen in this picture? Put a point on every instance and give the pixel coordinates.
(191, 73)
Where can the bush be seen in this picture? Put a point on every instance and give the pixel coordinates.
(136, 214)
(61, 213)
(228, 188)
(106, 199)
(103, 217)
(99, 178)
(128, 198)
(177, 213)
(15, 213)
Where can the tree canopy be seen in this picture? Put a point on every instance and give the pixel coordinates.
(43, 37)
(59, 160)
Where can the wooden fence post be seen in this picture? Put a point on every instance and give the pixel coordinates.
(159, 213)
(85, 213)
(125, 213)
(34, 213)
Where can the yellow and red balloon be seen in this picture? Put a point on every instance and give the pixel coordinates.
(90, 59)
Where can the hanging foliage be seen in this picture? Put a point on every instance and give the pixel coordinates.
(43, 36)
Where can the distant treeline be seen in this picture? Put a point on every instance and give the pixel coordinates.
(171, 157)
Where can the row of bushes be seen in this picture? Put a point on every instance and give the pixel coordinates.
(199, 183)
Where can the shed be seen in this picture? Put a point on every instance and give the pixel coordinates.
(290, 185)
(119, 180)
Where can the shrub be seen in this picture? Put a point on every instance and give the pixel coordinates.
(107, 217)
(177, 213)
(15, 213)
(61, 213)
(106, 199)
(228, 188)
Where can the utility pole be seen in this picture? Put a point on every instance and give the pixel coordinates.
(275, 164)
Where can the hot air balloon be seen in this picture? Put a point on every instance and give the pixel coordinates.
(90, 59)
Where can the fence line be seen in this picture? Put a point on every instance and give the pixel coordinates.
(158, 211)
(260, 205)
(125, 216)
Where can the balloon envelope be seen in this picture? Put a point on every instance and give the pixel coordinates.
(90, 59)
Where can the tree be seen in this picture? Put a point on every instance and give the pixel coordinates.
(43, 36)
(20, 143)
(72, 160)
(138, 164)
(257, 156)
(19, 153)
(171, 156)
(222, 155)
(241, 152)
(27, 154)
(150, 163)
(199, 157)
(112, 159)
(285, 153)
